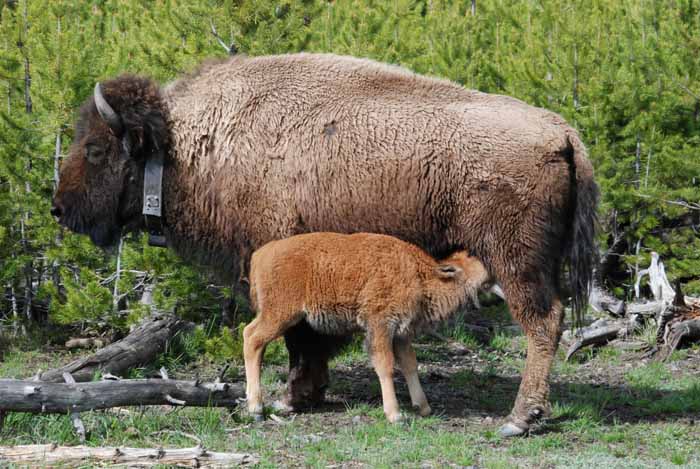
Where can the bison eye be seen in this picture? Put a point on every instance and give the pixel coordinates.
(94, 153)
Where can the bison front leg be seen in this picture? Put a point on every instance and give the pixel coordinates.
(540, 313)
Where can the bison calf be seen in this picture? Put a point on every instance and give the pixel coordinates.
(342, 284)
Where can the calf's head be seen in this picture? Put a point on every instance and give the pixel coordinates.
(101, 181)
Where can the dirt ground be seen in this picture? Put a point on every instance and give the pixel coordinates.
(610, 408)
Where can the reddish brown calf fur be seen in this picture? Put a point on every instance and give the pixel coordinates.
(341, 284)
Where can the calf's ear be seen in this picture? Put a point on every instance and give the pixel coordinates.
(447, 271)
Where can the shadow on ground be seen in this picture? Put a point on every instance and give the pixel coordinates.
(461, 392)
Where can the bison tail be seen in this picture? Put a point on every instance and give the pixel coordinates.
(582, 253)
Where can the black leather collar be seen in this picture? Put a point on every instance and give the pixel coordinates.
(153, 198)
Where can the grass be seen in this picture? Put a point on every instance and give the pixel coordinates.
(501, 342)
(609, 409)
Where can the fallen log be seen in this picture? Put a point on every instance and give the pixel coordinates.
(600, 332)
(45, 455)
(689, 329)
(139, 348)
(680, 321)
(648, 308)
(72, 398)
(600, 300)
(597, 336)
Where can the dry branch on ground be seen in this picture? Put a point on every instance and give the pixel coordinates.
(140, 347)
(49, 455)
(677, 316)
(680, 321)
(41, 397)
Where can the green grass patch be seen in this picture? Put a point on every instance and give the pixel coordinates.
(501, 342)
(642, 419)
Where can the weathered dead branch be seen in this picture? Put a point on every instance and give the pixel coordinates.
(602, 301)
(599, 333)
(680, 321)
(139, 348)
(41, 397)
(49, 455)
(689, 330)
(673, 312)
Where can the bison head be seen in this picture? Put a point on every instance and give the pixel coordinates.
(101, 180)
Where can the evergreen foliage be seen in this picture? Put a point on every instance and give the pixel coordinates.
(625, 73)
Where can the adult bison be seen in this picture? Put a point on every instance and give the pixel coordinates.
(262, 148)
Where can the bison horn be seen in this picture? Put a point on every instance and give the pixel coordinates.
(107, 113)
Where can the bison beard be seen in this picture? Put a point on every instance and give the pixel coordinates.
(268, 147)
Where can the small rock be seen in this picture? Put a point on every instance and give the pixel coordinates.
(488, 421)
(356, 419)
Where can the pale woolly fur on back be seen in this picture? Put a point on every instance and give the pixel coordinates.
(271, 146)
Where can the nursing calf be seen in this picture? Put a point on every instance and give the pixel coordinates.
(342, 284)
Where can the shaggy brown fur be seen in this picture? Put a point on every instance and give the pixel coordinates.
(341, 284)
(268, 147)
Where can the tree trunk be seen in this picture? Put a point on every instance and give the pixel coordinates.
(575, 84)
(28, 107)
(57, 160)
(117, 276)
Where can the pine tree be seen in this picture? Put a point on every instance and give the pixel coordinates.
(625, 74)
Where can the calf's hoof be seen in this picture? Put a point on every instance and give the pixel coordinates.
(256, 412)
(423, 411)
(395, 418)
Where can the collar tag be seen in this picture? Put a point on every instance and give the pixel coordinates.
(153, 198)
(153, 185)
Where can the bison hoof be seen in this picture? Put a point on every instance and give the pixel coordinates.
(510, 430)
(395, 418)
(258, 417)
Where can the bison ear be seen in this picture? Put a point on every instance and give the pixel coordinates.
(107, 113)
(447, 271)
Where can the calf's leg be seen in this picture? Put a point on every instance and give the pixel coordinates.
(256, 336)
(382, 354)
(406, 356)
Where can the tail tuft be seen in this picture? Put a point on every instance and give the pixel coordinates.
(582, 253)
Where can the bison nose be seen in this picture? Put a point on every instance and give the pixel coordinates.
(56, 210)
